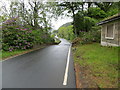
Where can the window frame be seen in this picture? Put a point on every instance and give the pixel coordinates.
(107, 31)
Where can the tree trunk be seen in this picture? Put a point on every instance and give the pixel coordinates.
(74, 28)
(35, 13)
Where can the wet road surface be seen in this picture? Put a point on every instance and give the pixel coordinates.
(44, 68)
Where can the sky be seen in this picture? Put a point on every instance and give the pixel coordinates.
(60, 21)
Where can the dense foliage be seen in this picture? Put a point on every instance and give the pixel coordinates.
(96, 12)
(66, 32)
(25, 25)
(15, 37)
(88, 37)
(22, 37)
(32, 24)
(85, 19)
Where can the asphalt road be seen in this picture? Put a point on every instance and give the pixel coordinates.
(44, 68)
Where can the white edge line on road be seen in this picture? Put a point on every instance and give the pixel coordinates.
(67, 67)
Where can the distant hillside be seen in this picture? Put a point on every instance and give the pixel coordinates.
(66, 24)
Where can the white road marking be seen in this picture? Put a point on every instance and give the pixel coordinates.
(67, 67)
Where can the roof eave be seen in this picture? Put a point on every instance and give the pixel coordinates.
(109, 20)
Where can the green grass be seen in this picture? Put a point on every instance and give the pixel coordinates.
(102, 61)
(6, 54)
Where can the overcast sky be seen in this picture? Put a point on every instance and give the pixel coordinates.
(60, 22)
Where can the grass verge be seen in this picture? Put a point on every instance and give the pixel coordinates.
(8, 54)
(100, 64)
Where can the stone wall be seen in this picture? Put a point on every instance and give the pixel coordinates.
(111, 42)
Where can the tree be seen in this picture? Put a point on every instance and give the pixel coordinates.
(66, 32)
(105, 6)
(96, 12)
(83, 23)
(71, 8)
(27, 24)
(78, 22)
(114, 9)
(89, 23)
(33, 13)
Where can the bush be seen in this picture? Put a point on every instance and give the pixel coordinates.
(91, 36)
(88, 37)
(15, 37)
(76, 41)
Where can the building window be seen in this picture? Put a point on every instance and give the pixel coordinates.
(110, 31)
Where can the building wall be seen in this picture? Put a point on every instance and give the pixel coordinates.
(111, 42)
